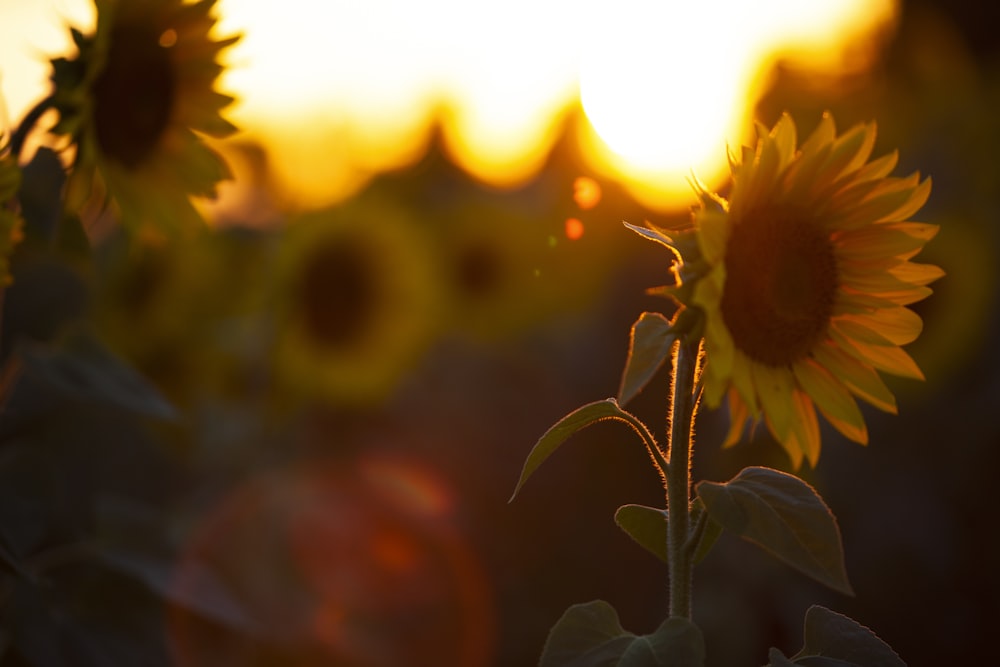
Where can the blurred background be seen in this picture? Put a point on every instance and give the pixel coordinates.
(293, 441)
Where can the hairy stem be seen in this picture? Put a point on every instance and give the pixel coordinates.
(683, 403)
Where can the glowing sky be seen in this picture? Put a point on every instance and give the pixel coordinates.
(337, 90)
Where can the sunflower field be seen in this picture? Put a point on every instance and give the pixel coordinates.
(297, 298)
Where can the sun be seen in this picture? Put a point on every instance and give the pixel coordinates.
(667, 86)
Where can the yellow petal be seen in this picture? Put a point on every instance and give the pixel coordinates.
(843, 197)
(738, 415)
(876, 241)
(742, 379)
(716, 384)
(904, 297)
(783, 136)
(846, 150)
(878, 168)
(850, 301)
(887, 358)
(899, 325)
(861, 153)
(896, 199)
(885, 276)
(857, 332)
(914, 204)
(719, 351)
(708, 290)
(789, 443)
(821, 136)
(832, 398)
(860, 379)
(799, 179)
(806, 427)
(774, 388)
(918, 274)
(713, 233)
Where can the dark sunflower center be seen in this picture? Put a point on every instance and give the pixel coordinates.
(134, 94)
(781, 279)
(478, 271)
(337, 293)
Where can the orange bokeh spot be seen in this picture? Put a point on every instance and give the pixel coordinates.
(332, 560)
(574, 229)
(586, 192)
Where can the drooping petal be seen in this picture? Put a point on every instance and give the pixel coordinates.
(806, 426)
(855, 331)
(891, 240)
(917, 274)
(860, 378)
(788, 442)
(743, 382)
(887, 358)
(832, 398)
(738, 416)
(774, 388)
(899, 326)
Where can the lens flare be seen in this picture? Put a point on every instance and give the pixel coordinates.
(330, 559)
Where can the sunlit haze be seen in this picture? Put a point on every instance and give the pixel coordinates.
(338, 90)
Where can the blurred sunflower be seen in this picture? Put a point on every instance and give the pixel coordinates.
(508, 266)
(10, 221)
(489, 257)
(134, 99)
(180, 311)
(802, 278)
(357, 302)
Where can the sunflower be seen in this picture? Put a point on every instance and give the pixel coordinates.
(134, 100)
(356, 302)
(10, 222)
(800, 282)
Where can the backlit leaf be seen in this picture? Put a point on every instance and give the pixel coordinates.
(590, 635)
(645, 525)
(83, 369)
(558, 434)
(785, 516)
(835, 639)
(709, 535)
(649, 346)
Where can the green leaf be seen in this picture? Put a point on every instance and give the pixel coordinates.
(709, 535)
(778, 659)
(655, 235)
(83, 369)
(578, 419)
(645, 525)
(676, 643)
(785, 516)
(649, 346)
(834, 639)
(590, 635)
(130, 540)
